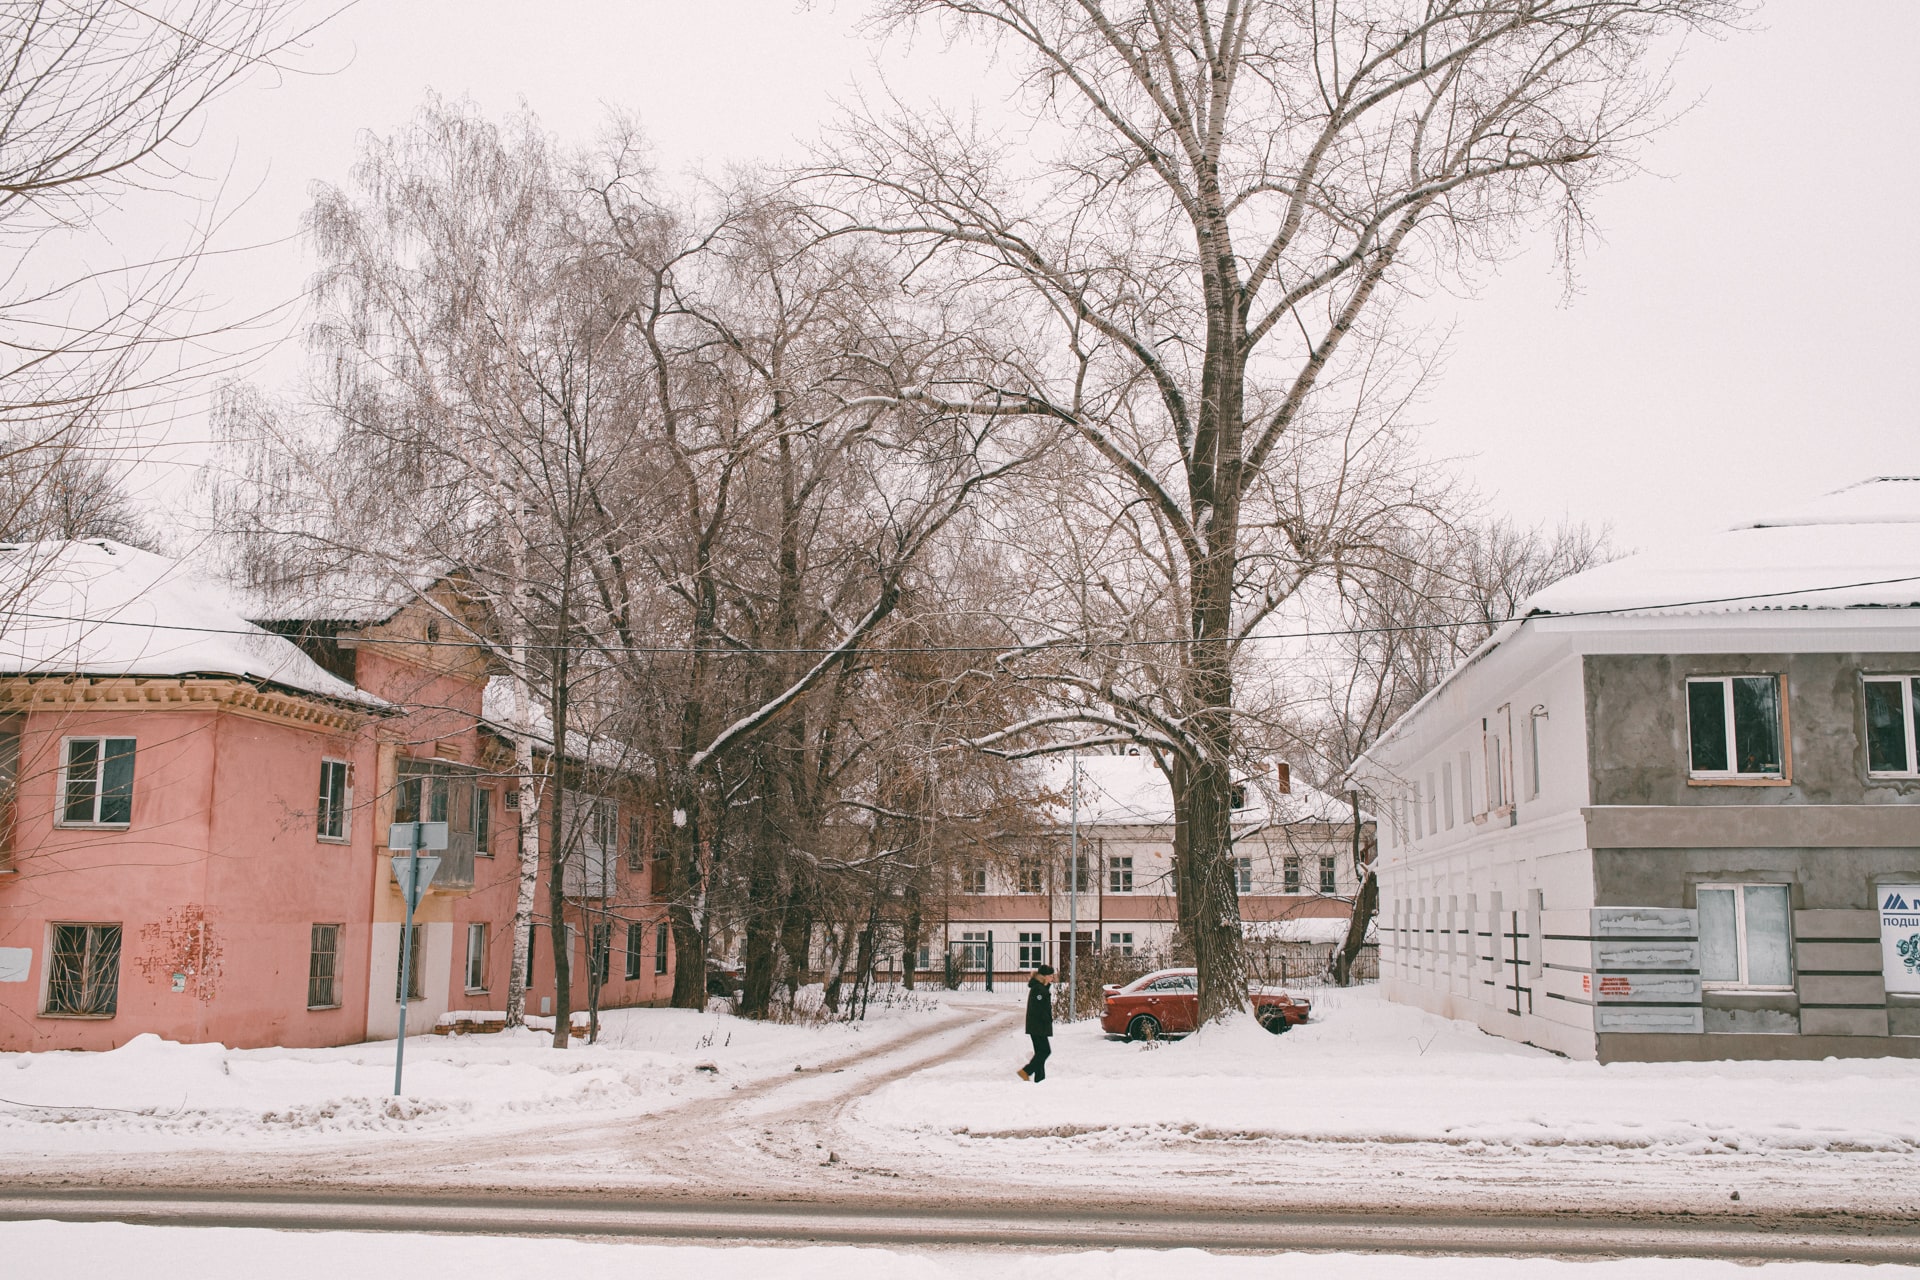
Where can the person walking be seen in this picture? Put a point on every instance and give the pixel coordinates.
(1039, 1022)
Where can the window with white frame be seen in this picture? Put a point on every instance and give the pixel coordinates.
(1121, 943)
(83, 971)
(1327, 881)
(600, 954)
(477, 956)
(96, 782)
(1290, 875)
(1745, 936)
(973, 949)
(1033, 947)
(973, 878)
(1495, 750)
(636, 947)
(323, 968)
(660, 939)
(1733, 727)
(1081, 873)
(1120, 873)
(1466, 786)
(483, 822)
(1892, 750)
(1243, 875)
(336, 799)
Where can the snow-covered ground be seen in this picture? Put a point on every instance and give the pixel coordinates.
(156, 1095)
(1368, 1071)
(240, 1253)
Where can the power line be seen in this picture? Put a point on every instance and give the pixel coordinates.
(743, 651)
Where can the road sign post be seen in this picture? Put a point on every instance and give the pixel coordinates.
(414, 873)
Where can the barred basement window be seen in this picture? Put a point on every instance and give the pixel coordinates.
(83, 976)
(336, 799)
(411, 968)
(636, 944)
(96, 782)
(323, 968)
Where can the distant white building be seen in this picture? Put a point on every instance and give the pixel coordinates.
(1293, 861)
(1659, 816)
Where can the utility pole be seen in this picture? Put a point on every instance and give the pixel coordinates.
(1073, 890)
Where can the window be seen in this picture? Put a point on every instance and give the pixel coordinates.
(336, 798)
(973, 878)
(1082, 873)
(1120, 942)
(1466, 786)
(1032, 951)
(83, 978)
(1243, 875)
(636, 946)
(1327, 882)
(974, 950)
(660, 949)
(96, 782)
(1733, 727)
(1419, 827)
(1178, 982)
(409, 966)
(477, 957)
(1496, 750)
(1433, 807)
(1446, 793)
(9, 787)
(483, 822)
(1120, 874)
(1891, 748)
(600, 954)
(636, 847)
(1031, 876)
(1290, 875)
(1744, 936)
(533, 949)
(1239, 797)
(323, 968)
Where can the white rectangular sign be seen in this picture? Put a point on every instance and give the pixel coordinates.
(1900, 935)
(16, 963)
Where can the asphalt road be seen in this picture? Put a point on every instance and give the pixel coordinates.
(1021, 1226)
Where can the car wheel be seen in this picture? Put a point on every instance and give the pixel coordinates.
(1143, 1028)
(1276, 1022)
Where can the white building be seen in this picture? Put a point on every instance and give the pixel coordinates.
(1657, 816)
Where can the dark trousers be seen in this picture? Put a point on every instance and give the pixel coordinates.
(1042, 1047)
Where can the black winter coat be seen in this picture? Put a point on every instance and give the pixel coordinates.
(1039, 1008)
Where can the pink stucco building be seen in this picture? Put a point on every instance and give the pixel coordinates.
(193, 807)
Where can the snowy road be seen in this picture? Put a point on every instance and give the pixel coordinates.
(916, 1120)
(1023, 1227)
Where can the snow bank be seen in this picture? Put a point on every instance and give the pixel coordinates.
(1367, 1071)
(241, 1253)
(150, 1093)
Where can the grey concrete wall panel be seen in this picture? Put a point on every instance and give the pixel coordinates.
(1640, 956)
(1853, 989)
(1832, 888)
(1764, 1022)
(1643, 922)
(1735, 826)
(1844, 925)
(1843, 1022)
(1903, 1019)
(1637, 733)
(1647, 988)
(1642, 1020)
(1765, 1048)
(1836, 957)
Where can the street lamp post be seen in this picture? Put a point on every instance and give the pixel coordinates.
(414, 874)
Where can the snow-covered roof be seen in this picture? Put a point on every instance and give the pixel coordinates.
(350, 596)
(1303, 929)
(100, 607)
(1853, 548)
(496, 714)
(1129, 790)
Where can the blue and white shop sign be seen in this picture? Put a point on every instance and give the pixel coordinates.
(1900, 935)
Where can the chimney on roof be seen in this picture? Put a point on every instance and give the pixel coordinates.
(1284, 771)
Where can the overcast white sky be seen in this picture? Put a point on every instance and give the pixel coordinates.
(1745, 334)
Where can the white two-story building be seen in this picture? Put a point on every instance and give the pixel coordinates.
(1673, 811)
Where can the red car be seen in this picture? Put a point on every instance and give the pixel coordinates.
(1167, 1003)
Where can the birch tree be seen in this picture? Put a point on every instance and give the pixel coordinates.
(1214, 209)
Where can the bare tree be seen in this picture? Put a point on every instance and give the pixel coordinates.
(1230, 196)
